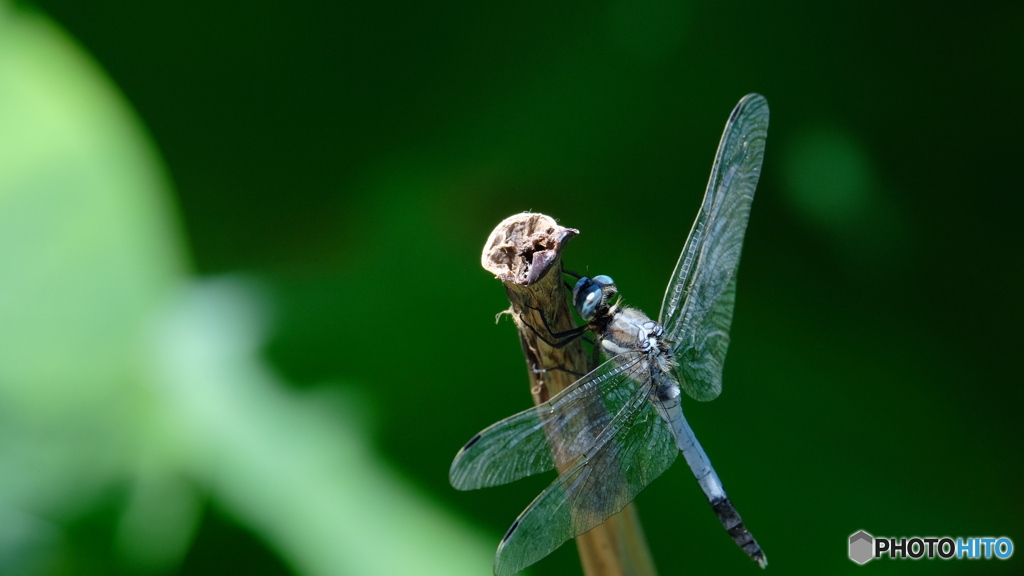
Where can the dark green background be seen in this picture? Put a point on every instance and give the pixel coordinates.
(353, 157)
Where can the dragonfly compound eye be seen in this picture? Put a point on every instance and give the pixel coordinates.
(586, 296)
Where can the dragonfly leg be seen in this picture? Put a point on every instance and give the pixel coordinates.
(560, 339)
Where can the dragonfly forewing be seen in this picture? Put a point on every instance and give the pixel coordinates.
(697, 309)
(699, 370)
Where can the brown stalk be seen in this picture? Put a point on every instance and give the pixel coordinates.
(524, 252)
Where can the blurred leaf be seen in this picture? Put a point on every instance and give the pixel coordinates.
(88, 252)
(92, 404)
(297, 468)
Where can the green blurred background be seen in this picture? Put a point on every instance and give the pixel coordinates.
(244, 329)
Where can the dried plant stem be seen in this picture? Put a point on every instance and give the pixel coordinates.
(524, 252)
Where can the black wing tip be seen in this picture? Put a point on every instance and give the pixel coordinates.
(508, 534)
(454, 478)
(502, 565)
(472, 441)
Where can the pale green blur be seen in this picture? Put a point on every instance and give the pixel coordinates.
(121, 374)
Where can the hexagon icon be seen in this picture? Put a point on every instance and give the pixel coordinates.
(861, 545)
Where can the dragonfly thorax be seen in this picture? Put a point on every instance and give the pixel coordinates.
(629, 330)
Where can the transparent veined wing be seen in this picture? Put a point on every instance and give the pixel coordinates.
(519, 445)
(633, 449)
(697, 310)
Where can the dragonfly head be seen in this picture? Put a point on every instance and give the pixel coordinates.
(590, 295)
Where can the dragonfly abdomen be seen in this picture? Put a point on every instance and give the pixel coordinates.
(708, 480)
(733, 524)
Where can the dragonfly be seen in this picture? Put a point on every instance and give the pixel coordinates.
(617, 428)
